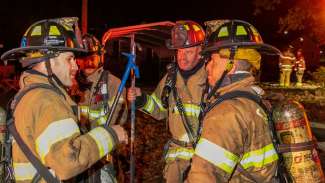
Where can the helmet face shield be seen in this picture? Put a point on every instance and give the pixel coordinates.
(179, 36)
(186, 34)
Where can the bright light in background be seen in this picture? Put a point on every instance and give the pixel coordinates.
(285, 32)
(301, 39)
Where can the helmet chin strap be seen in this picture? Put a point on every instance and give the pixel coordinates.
(52, 77)
(228, 68)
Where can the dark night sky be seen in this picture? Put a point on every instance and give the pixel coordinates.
(17, 15)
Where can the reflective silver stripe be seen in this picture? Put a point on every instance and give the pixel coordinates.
(158, 102)
(55, 132)
(101, 120)
(180, 152)
(190, 110)
(120, 101)
(216, 155)
(103, 140)
(93, 114)
(24, 171)
(259, 157)
(84, 109)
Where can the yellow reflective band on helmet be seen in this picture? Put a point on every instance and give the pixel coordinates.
(24, 171)
(260, 157)
(54, 31)
(196, 28)
(103, 140)
(240, 31)
(37, 31)
(178, 153)
(55, 132)
(149, 106)
(223, 32)
(216, 155)
(187, 27)
(158, 102)
(190, 110)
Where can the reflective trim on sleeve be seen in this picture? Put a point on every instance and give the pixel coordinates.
(94, 114)
(190, 110)
(149, 106)
(55, 132)
(120, 101)
(216, 155)
(180, 152)
(84, 110)
(101, 120)
(103, 140)
(24, 171)
(158, 102)
(259, 158)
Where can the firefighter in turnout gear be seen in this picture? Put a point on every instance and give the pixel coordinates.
(300, 67)
(235, 144)
(286, 64)
(183, 84)
(44, 115)
(99, 89)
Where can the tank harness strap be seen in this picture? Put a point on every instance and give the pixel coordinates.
(284, 148)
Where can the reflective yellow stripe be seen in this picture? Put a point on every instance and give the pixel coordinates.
(260, 157)
(94, 114)
(24, 171)
(216, 155)
(149, 106)
(84, 109)
(223, 32)
(101, 120)
(55, 132)
(103, 140)
(190, 110)
(158, 102)
(120, 101)
(240, 30)
(180, 152)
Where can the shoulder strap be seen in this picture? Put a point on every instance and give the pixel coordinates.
(41, 169)
(23, 92)
(238, 94)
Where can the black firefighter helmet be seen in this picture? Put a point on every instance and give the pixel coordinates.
(234, 33)
(45, 39)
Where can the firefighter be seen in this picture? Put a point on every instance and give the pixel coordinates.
(286, 63)
(300, 67)
(235, 144)
(99, 89)
(184, 82)
(45, 116)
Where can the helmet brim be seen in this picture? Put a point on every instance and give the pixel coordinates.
(261, 47)
(170, 46)
(17, 53)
